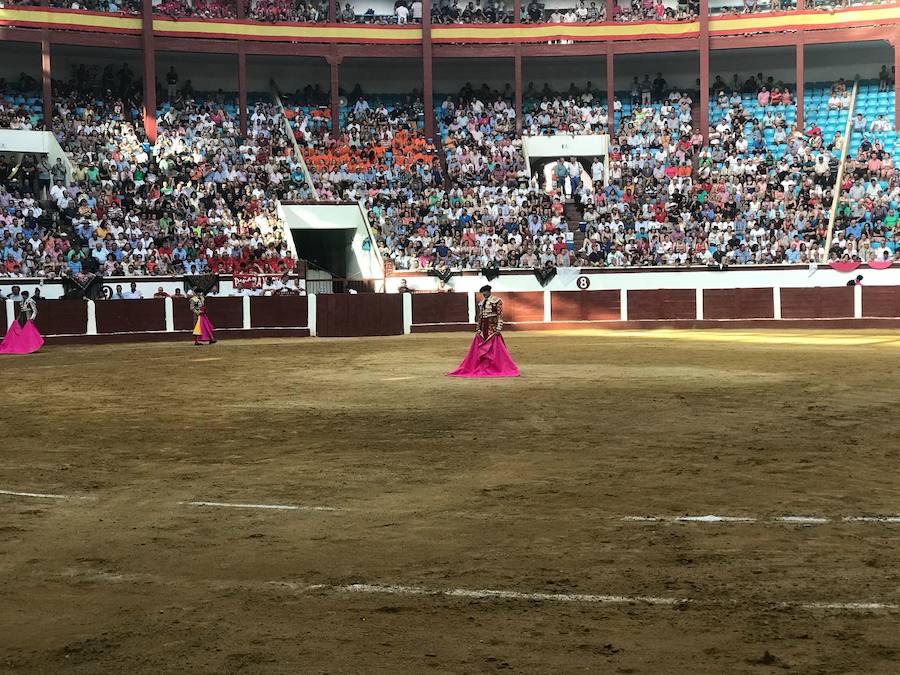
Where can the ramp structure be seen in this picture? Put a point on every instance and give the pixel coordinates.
(334, 238)
(542, 153)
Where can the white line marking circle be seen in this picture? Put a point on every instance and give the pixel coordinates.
(469, 593)
(41, 495)
(273, 507)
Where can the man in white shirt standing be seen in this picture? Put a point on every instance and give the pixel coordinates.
(597, 171)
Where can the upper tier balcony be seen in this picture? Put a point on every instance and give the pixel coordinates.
(678, 29)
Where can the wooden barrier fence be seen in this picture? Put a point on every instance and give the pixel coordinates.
(345, 315)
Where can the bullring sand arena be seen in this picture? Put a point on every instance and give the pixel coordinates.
(655, 502)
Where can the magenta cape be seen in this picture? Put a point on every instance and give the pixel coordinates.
(204, 330)
(487, 358)
(21, 339)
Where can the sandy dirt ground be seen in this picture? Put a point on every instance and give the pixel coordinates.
(420, 495)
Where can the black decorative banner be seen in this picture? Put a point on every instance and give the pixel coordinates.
(545, 274)
(201, 283)
(491, 273)
(82, 287)
(442, 273)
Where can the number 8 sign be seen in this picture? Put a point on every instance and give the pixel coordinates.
(583, 283)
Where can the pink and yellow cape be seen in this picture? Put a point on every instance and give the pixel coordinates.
(204, 331)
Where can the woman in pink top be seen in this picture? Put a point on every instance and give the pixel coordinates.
(763, 97)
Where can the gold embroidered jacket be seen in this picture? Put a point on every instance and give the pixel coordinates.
(197, 303)
(490, 316)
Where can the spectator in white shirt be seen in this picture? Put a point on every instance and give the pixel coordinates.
(133, 293)
(879, 124)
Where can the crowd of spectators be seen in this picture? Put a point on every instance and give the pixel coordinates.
(107, 6)
(867, 226)
(752, 6)
(574, 112)
(275, 11)
(655, 10)
(758, 192)
(298, 11)
(200, 9)
(204, 199)
(19, 103)
(110, 6)
(585, 11)
(201, 199)
(756, 6)
(444, 11)
(487, 213)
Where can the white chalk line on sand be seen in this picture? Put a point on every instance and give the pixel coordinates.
(687, 519)
(41, 495)
(703, 519)
(272, 507)
(790, 520)
(486, 594)
(856, 606)
(490, 594)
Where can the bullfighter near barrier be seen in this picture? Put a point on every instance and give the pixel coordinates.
(487, 356)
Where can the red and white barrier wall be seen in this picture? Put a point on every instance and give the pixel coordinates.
(168, 318)
(346, 315)
(859, 306)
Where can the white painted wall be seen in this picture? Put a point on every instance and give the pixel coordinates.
(563, 145)
(362, 264)
(38, 142)
(52, 290)
(733, 278)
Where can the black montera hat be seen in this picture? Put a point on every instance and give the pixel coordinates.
(485, 289)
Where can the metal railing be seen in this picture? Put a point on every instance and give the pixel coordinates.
(298, 155)
(320, 280)
(335, 285)
(836, 191)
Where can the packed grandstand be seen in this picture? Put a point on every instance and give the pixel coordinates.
(442, 11)
(204, 198)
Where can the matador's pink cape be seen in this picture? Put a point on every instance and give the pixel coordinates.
(204, 331)
(21, 339)
(487, 358)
